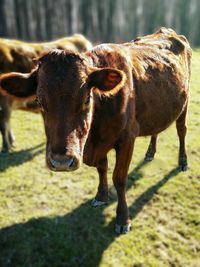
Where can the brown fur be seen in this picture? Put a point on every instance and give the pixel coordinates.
(18, 56)
(151, 75)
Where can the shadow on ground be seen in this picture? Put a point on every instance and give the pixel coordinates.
(17, 158)
(78, 238)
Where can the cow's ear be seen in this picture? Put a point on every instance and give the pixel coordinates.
(107, 81)
(19, 85)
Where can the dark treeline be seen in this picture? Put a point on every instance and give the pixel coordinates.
(99, 20)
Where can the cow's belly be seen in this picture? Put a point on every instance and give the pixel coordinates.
(155, 115)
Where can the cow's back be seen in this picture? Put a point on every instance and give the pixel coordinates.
(18, 56)
(161, 71)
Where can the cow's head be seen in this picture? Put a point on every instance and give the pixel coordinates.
(64, 84)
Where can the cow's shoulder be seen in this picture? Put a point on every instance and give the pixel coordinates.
(110, 55)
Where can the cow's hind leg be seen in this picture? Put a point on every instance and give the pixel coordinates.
(181, 130)
(102, 193)
(4, 129)
(151, 149)
(11, 137)
(5, 114)
(120, 174)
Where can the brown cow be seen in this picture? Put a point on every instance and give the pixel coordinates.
(18, 56)
(104, 99)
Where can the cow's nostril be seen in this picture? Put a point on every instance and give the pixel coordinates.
(70, 162)
(63, 163)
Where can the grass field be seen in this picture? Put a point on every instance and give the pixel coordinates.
(46, 219)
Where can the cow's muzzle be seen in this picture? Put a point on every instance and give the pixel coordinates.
(57, 162)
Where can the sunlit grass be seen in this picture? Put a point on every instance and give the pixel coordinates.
(46, 218)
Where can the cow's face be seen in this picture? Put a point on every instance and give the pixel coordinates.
(66, 102)
(65, 87)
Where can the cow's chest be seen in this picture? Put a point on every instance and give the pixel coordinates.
(102, 138)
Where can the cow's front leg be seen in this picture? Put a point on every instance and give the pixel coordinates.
(123, 157)
(102, 193)
(151, 149)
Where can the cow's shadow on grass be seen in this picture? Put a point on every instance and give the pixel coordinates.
(16, 158)
(78, 238)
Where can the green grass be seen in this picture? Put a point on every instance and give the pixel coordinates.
(46, 218)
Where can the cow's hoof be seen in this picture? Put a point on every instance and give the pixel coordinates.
(148, 158)
(183, 167)
(122, 229)
(4, 151)
(97, 203)
(183, 164)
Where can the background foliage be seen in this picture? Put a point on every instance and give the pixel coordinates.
(99, 20)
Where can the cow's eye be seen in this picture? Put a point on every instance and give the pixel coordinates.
(86, 102)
